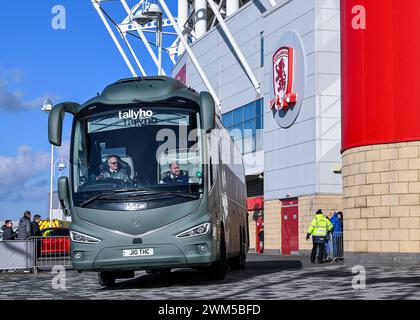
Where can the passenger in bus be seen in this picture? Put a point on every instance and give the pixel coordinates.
(175, 175)
(113, 170)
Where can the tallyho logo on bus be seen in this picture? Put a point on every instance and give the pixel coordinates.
(135, 115)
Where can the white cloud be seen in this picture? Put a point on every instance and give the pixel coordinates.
(14, 75)
(13, 100)
(21, 176)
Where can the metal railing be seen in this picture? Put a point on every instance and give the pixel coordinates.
(335, 247)
(35, 253)
(51, 251)
(16, 255)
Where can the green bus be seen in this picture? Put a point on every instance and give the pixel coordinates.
(155, 182)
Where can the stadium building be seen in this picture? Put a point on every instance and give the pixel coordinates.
(323, 96)
(294, 163)
(333, 117)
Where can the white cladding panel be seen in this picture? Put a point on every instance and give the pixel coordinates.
(298, 160)
(328, 96)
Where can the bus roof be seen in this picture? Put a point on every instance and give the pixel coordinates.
(144, 89)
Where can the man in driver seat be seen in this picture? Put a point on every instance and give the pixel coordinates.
(113, 170)
(175, 174)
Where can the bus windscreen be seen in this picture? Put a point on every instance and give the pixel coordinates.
(136, 149)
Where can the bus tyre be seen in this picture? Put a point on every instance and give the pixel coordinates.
(159, 271)
(165, 271)
(106, 279)
(240, 261)
(217, 270)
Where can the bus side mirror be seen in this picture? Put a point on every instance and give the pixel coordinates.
(207, 111)
(55, 120)
(64, 195)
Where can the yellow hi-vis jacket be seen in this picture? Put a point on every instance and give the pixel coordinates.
(320, 225)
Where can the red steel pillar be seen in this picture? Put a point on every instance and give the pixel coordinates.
(380, 46)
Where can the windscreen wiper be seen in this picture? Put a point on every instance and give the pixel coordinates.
(108, 193)
(180, 194)
(166, 194)
(90, 200)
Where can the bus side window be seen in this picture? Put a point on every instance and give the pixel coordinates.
(211, 169)
(214, 156)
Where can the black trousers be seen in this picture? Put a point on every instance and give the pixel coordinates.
(316, 245)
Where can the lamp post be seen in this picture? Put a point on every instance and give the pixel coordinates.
(148, 13)
(47, 107)
(159, 41)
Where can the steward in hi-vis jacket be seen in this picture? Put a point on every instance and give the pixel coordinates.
(319, 227)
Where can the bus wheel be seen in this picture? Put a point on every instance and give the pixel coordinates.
(242, 256)
(159, 271)
(150, 271)
(217, 270)
(106, 279)
(240, 261)
(165, 271)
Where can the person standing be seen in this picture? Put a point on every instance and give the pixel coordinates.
(8, 233)
(25, 226)
(36, 232)
(261, 239)
(319, 227)
(337, 234)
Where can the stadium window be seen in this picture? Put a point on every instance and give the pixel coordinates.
(245, 126)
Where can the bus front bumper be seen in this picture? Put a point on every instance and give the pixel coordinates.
(91, 258)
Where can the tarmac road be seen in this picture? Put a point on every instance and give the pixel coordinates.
(265, 277)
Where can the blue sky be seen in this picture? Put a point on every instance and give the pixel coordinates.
(38, 62)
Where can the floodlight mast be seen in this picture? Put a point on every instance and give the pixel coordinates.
(138, 17)
(235, 46)
(97, 7)
(146, 43)
(153, 11)
(191, 55)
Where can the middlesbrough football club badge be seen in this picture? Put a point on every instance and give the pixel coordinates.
(283, 79)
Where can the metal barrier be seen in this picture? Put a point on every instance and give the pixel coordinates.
(336, 244)
(17, 254)
(51, 251)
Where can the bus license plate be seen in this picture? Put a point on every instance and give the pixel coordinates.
(138, 252)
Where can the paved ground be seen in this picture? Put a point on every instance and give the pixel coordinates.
(266, 277)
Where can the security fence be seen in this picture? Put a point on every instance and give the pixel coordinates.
(335, 247)
(51, 251)
(36, 253)
(17, 255)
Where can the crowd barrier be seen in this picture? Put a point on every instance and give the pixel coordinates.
(335, 247)
(17, 255)
(51, 251)
(36, 253)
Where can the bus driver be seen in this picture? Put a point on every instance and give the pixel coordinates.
(175, 175)
(113, 170)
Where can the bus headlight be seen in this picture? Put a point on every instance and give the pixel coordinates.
(193, 232)
(82, 238)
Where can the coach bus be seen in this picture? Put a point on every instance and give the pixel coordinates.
(155, 182)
